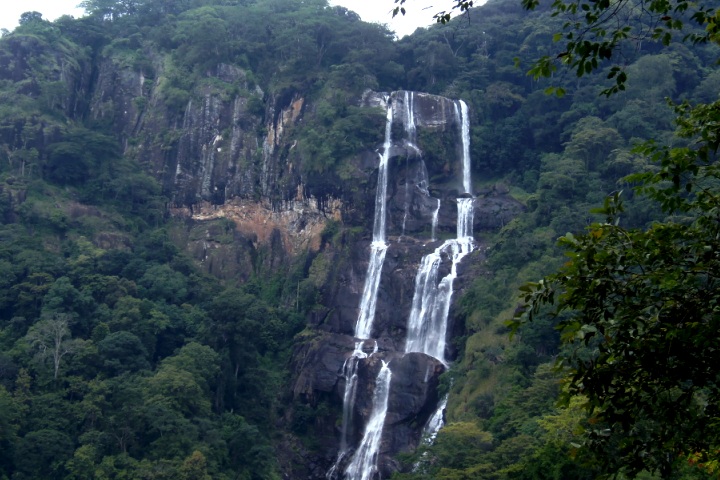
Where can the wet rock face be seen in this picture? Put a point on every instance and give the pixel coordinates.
(202, 150)
(432, 111)
(320, 359)
(413, 399)
(494, 208)
(214, 160)
(411, 206)
(113, 98)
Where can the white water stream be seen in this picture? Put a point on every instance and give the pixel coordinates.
(435, 423)
(368, 300)
(433, 227)
(378, 248)
(411, 137)
(364, 463)
(427, 324)
(350, 374)
(464, 120)
(410, 117)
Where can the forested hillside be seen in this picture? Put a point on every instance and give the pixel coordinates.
(187, 186)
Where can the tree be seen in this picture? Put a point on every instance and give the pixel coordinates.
(30, 17)
(9, 423)
(122, 352)
(194, 467)
(43, 453)
(51, 336)
(110, 9)
(595, 30)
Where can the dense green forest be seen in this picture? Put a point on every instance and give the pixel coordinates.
(121, 358)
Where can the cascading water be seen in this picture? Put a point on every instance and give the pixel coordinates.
(410, 117)
(350, 374)
(407, 207)
(411, 134)
(433, 227)
(430, 432)
(464, 120)
(436, 422)
(364, 463)
(465, 219)
(427, 324)
(368, 301)
(378, 248)
(422, 312)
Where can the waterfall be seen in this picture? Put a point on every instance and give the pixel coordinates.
(364, 464)
(434, 223)
(422, 311)
(368, 301)
(381, 192)
(378, 248)
(406, 207)
(431, 302)
(410, 117)
(350, 374)
(411, 139)
(430, 431)
(436, 422)
(464, 120)
(465, 219)
(427, 324)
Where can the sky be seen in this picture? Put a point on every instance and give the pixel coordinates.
(419, 12)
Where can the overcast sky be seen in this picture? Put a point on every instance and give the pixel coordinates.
(419, 12)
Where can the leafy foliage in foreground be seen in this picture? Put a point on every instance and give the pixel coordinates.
(646, 303)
